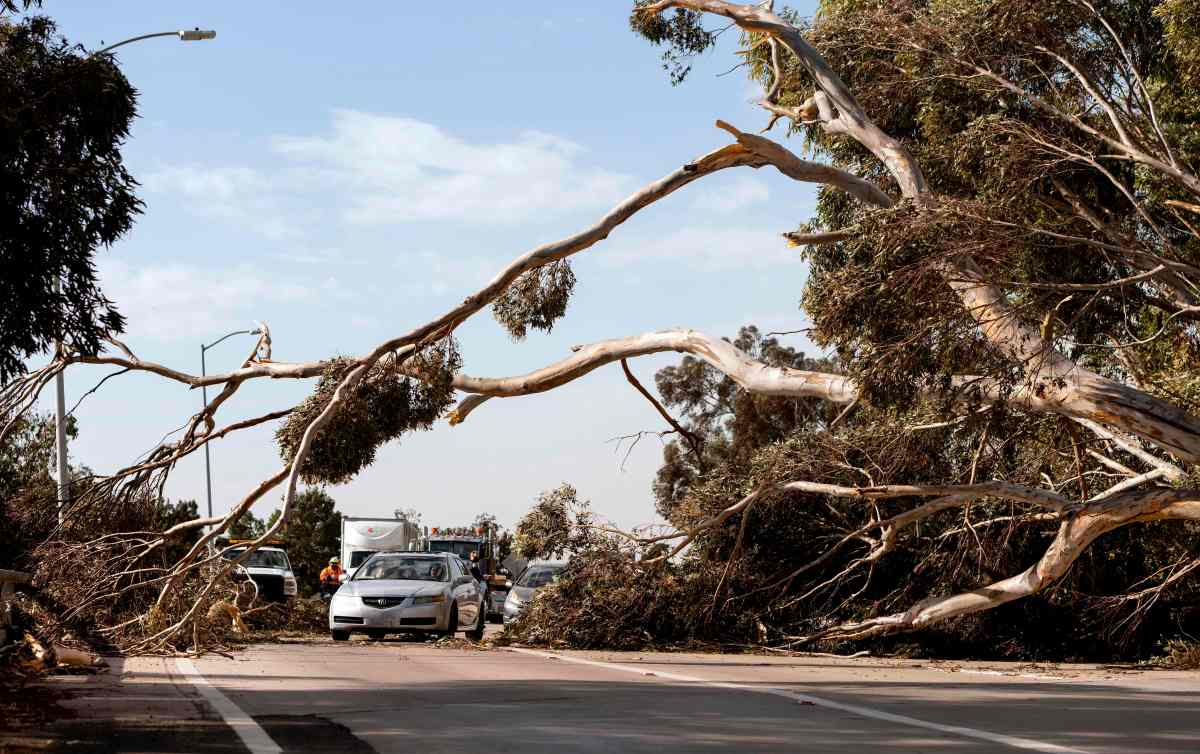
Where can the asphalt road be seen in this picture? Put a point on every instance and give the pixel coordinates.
(399, 696)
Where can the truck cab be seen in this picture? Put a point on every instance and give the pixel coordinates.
(270, 570)
(464, 541)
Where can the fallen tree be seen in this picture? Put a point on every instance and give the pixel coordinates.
(971, 287)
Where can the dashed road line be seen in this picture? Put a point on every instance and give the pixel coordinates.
(252, 735)
(1016, 742)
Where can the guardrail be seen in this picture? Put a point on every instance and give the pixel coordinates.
(8, 581)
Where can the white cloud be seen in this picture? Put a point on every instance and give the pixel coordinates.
(379, 169)
(181, 301)
(392, 169)
(742, 192)
(708, 249)
(239, 195)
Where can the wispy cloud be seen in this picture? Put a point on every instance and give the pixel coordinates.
(708, 249)
(241, 196)
(181, 301)
(443, 272)
(742, 192)
(394, 169)
(373, 170)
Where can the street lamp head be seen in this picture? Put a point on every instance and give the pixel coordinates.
(195, 35)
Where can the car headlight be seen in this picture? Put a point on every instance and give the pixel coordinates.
(513, 600)
(429, 599)
(289, 584)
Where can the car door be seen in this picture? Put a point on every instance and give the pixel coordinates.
(466, 594)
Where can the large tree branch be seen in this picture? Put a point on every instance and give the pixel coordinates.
(1077, 394)
(1074, 536)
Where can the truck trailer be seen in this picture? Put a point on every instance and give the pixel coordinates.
(363, 537)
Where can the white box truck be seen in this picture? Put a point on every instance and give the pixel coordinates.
(363, 537)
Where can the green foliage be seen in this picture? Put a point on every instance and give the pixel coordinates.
(879, 298)
(384, 405)
(681, 32)
(168, 514)
(26, 486)
(312, 534)
(64, 189)
(730, 421)
(536, 299)
(559, 524)
(247, 526)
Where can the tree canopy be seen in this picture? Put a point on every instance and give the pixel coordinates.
(64, 189)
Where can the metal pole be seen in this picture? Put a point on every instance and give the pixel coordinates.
(60, 428)
(204, 397)
(207, 466)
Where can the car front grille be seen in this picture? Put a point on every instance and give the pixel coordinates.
(382, 602)
(347, 619)
(270, 586)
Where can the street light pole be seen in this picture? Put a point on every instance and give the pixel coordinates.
(204, 397)
(60, 428)
(60, 407)
(185, 35)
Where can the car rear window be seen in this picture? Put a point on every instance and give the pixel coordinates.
(536, 577)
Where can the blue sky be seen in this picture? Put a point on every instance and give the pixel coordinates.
(344, 172)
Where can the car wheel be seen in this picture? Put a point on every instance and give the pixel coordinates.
(377, 635)
(477, 633)
(339, 635)
(452, 623)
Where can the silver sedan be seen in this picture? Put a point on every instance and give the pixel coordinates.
(404, 592)
(536, 575)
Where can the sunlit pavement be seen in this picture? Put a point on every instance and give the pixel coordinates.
(407, 696)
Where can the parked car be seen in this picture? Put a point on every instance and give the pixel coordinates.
(270, 570)
(536, 575)
(405, 592)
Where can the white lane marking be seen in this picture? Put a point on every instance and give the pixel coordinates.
(958, 730)
(255, 738)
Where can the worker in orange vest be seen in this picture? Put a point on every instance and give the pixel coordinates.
(331, 577)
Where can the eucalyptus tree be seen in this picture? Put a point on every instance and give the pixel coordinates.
(64, 189)
(1007, 228)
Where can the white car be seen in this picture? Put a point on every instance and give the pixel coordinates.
(405, 592)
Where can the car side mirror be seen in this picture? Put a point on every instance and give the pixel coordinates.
(508, 583)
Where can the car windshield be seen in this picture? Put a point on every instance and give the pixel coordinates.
(461, 549)
(262, 559)
(536, 577)
(402, 568)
